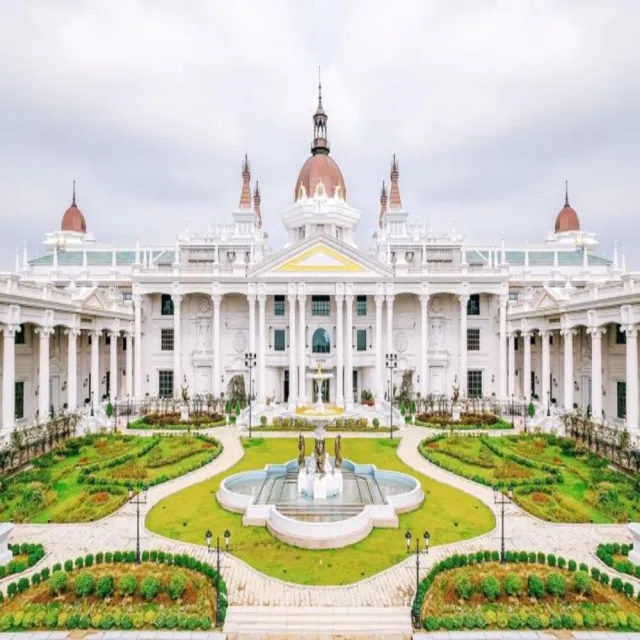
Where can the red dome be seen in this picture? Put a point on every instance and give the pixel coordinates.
(73, 220)
(567, 219)
(320, 167)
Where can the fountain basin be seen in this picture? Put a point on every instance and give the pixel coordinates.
(369, 498)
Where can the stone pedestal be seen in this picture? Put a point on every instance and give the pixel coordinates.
(184, 414)
(455, 414)
(634, 554)
(5, 553)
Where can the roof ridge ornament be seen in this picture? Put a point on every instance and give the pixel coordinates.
(395, 201)
(320, 142)
(245, 194)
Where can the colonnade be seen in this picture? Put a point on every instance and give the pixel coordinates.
(595, 334)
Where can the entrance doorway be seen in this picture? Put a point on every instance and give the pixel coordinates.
(285, 390)
(324, 388)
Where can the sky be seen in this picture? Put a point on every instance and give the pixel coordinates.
(150, 105)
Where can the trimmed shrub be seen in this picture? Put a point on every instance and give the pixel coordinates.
(178, 585)
(582, 582)
(127, 585)
(463, 586)
(556, 584)
(431, 623)
(85, 584)
(551, 560)
(616, 585)
(150, 587)
(99, 557)
(535, 586)
(58, 583)
(562, 563)
(541, 558)
(68, 565)
(595, 573)
(491, 587)
(88, 560)
(79, 562)
(105, 586)
(513, 584)
(604, 579)
(572, 566)
(627, 589)
(23, 584)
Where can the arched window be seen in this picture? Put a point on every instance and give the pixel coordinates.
(321, 342)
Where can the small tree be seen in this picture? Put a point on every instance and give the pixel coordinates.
(531, 410)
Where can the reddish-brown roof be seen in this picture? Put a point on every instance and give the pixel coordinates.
(320, 167)
(73, 220)
(567, 219)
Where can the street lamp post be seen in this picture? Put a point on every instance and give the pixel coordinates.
(499, 498)
(391, 362)
(227, 537)
(415, 612)
(138, 501)
(250, 362)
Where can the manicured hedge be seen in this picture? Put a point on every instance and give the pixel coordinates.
(34, 553)
(86, 584)
(556, 586)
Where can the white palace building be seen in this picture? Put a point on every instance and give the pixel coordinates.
(552, 321)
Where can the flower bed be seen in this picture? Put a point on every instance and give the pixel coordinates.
(25, 556)
(468, 421)
(109, 591)
(532, 590)
(87, 478)
(174, 424)
(200, 420)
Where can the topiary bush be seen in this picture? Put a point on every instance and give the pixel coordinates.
(464, 587)
(551, 560)
(150, 587)
(513, 584)
(127, 585)
(491, 587)
(177, 585)
(581, 582)
(105, 587)
(556, 585)
(85, 584)
(535, 586)
(58, 583)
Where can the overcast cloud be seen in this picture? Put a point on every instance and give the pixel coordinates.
(151, 104)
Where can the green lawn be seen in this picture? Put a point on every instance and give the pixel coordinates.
(58, 488)
(448, 514)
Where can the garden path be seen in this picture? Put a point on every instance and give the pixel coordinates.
(247, 587)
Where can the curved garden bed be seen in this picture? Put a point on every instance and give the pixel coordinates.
(109, 591)
(25, 556)
(530, 591)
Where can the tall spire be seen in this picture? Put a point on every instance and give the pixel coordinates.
(395, 201)
(73, 198)
(383, 204)
(256, 205)
(245, 194)
(566, 193)
(320, 143)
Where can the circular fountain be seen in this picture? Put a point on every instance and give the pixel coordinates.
(320, 501)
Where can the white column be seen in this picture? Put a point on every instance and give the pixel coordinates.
(251, 300)
(177, 344)
(424, 344)
(217, 360)
(511, 391)
(293, 379)
(95, 366)
(503, 347)
(9, 379)
(72, 368)
(113, 365)
(462, 374)
(44, 400)
(596, 371)
(568, 334)
(632, 377)
(526, 367)
(379, 350)
(340, 351)
(545, 396)
(302, 353)
(137, 345)
(129, 364)
(262, 357)
(389, 324)
(348, 369)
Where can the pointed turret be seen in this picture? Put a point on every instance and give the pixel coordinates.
(320, 143)
(256, 205)
(383, 204)
(395, 201)
(73, 219)
(245, 195)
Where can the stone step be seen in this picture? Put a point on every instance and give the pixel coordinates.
(318, 620)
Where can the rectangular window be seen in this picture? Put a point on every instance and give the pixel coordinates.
(127, 296)
(474, 384)
(20, 337)
(19, 400)
(361, 305)
(513, 296)
(165, 384)
(532, 341)
(622, 399)
(361, 340)
(473, 305)
(166, 339)
(278, 340)
(473, 339)
(515, 343)
(166, 305)
(320, 306)
(621, 336)
(124, 343)
(107, 340)
(278, 305)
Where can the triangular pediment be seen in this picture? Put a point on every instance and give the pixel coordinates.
(321, 255)
(549, 298)
(92, 299)
(547, 302)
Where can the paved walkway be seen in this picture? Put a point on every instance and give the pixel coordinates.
(247, 587)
